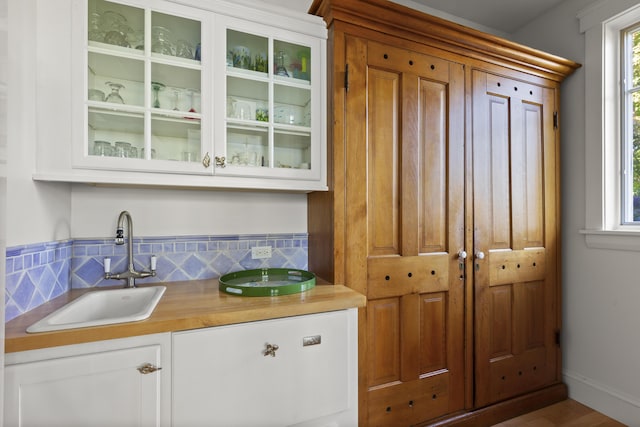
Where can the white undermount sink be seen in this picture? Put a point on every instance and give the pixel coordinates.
(102, 307)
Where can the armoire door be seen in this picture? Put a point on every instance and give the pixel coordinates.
(515, 237)
(405, 199)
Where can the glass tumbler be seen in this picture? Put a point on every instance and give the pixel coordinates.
(102, 148)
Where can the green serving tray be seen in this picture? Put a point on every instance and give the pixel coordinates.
(267, 282)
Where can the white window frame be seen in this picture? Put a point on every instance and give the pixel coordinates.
(602, 23)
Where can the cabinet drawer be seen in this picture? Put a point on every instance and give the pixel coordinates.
(227, 376)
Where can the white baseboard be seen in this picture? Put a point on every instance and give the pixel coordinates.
(613, 403)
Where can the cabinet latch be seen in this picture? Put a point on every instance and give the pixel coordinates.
(346, 77)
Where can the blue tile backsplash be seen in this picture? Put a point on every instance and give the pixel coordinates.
(40, 272)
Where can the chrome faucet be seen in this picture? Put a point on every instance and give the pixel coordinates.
(130, 275)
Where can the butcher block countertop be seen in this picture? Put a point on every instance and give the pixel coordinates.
(184, 305)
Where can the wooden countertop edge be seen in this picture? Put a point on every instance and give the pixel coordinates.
(185, 305)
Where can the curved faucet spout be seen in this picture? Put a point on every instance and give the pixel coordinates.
(130, 275)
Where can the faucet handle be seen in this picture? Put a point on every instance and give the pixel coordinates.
(154, 262)
(107, 265)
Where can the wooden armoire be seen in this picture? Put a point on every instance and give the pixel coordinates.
(444, 210)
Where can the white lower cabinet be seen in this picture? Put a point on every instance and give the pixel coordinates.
(106, 383)
(292, 371)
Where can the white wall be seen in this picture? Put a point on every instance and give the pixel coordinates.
(3, 179)
(35, 213)
(164, 212)
(601, 288)
(41, 212)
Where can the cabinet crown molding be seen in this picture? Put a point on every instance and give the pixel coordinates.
(401, 21)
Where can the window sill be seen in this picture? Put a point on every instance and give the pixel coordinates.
(624, 240)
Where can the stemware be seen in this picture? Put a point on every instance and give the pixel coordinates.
(191, 92)
(160, 41)
(114, 96)
(176, 99)
(157, 87)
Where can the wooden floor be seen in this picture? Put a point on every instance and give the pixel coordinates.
(568, 413)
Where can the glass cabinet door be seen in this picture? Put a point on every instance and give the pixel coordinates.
(144, 103)
(270, 104)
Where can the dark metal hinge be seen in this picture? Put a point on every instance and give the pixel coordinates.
(346, 77)
(555, 120)
(558, 337)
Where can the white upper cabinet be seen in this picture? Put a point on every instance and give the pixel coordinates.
(182, 94)
(270, 99)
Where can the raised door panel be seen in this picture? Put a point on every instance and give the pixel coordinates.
(515, 227)
(411, 155)
(85, 389)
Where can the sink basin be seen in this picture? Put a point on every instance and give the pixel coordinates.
(102, 307)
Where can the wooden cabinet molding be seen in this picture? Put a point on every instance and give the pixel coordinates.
(391, 18)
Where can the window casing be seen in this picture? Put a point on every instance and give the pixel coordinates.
(630, 125)
(603, 23)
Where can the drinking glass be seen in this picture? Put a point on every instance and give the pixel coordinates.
(114, 96)
(102, 148)
(184, 49)
(115, 28)
(95, 30)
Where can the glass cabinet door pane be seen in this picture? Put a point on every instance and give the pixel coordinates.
(247, 51)
(292, 106)
(292, 149)
(247, 100)
(292, 60)
(115, 134)
(175, 37)
(174, 139)
(115, 80)
(247, 146)
(115, 26)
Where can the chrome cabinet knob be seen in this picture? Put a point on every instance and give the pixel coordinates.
(270, 350)
(221, 161)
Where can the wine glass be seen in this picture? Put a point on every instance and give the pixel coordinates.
(157, 87)
(191, 92)
(176, 99)
(114, 96)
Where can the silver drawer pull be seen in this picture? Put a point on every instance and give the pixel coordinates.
(312, 340)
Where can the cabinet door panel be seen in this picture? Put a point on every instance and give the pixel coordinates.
(515, 225)
(218, 371)
(84, 390)
(411, 152)
(383, 160)
(383, 330)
